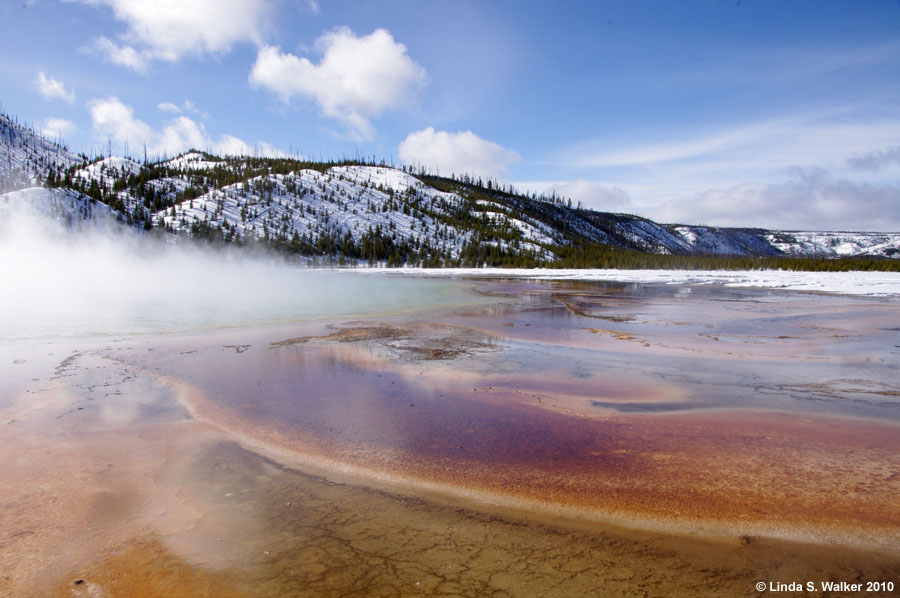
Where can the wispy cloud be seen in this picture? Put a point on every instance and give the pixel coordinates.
(113, 53)
(53, 89)
(809, 199)
(668, 151)
(876, 159)
(834, 169)
(169, 107)
(53, 127)
(186, 106)
(806, 199)
(800, 139)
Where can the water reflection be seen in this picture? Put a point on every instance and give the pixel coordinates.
(604, 397)
(697, 411)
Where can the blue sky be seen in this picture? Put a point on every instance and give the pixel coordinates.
(750, 113)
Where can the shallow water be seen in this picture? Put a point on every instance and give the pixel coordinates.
(221, 296)
(530, 439)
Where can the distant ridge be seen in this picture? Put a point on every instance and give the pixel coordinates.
(357, 212)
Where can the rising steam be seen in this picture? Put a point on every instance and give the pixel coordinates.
(105, 279)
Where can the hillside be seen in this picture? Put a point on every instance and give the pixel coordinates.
(354, 212)
(26, 156)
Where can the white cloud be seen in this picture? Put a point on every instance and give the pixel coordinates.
(591, 194)
(170, 29)
(189, 106)
(179, 134)
(228, 145)
(115, 121)
(52, 89)
(811, 199)
(56, 127)
(186, 106)
(356, 80)
(463, 152)
(233, 146)
(122, 55)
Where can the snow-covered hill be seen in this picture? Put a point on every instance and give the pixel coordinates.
(835, 244)
(26, 156)
(367, 212)
(348, 203)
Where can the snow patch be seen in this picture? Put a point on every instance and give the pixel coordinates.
(845, 283)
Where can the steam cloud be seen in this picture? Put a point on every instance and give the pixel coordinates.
(60, 281)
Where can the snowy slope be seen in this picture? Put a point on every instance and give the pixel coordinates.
(193, 161)
(835, 244)
(359, 210)
(107, 170)
(343, 202)
(724, 241)
(884, 284)
(26, 156)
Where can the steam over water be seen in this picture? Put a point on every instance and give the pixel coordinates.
(59, 282)
(184, 422)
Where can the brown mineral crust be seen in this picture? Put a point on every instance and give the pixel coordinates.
(338, 540)
(144, 568)
(349, 334)
(68, 500)
(735, 467)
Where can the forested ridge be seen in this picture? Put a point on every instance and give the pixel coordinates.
(363, 211)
